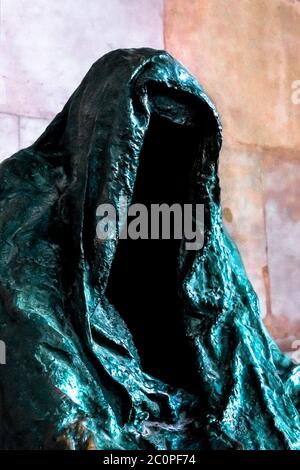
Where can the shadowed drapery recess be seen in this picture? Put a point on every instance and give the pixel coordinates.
(138, 344)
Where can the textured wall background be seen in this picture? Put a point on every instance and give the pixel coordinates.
(246, 55)
(46, 48)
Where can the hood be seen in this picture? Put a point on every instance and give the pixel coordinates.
(131, 343)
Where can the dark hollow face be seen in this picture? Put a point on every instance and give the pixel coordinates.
(143, 283)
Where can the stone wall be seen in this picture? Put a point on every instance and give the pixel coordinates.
(46, 48)
(246, 55)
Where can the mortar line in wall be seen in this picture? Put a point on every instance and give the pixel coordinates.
(258, 148)
(269, 309)
(19, 131)
(164, 23)
(9, 113)
(1, 20)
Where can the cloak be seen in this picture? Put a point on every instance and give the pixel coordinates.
(131, 344)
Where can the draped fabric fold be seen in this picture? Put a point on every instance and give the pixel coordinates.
(107, 354)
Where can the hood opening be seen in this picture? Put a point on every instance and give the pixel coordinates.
(143, 284)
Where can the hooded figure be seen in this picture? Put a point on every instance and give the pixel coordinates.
(131, 344)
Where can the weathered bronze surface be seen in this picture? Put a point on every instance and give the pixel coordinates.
(131, 346)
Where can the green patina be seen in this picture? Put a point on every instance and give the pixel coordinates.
(123, 346)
